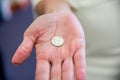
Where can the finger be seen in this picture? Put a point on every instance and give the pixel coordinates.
(42, 70)
(56, 71)
(80, 66)
(68, 70)
(23, 51)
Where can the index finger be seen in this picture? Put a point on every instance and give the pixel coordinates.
(42, 70)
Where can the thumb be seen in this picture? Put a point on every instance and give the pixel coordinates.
(23, 51)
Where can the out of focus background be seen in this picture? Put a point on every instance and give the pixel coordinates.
(101, 21)
(11, 32)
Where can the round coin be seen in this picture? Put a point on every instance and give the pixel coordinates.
(57, 41)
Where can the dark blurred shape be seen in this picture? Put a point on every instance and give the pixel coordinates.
(1, 69)
(1, 64)
(15, 7)
(19, 5)
(1, 18)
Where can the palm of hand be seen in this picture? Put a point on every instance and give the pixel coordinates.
(55, 63)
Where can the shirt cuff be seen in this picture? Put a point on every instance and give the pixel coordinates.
(34, 4)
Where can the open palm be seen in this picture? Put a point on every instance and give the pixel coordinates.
(55, 63)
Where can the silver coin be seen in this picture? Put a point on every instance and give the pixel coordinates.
(57, 41)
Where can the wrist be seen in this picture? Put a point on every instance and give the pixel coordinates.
(56, 6)
(47, 6)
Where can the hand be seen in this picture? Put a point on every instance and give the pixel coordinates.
(55, 63)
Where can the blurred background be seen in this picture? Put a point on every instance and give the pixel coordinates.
(11, 31)
(17, 15)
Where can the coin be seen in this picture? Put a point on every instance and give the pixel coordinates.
(57, 41)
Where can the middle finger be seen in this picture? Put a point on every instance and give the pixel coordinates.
(68, 69)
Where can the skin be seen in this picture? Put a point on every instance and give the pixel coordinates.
(55, 63)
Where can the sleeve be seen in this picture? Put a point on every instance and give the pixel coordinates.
(34, 3)
(75, 4)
